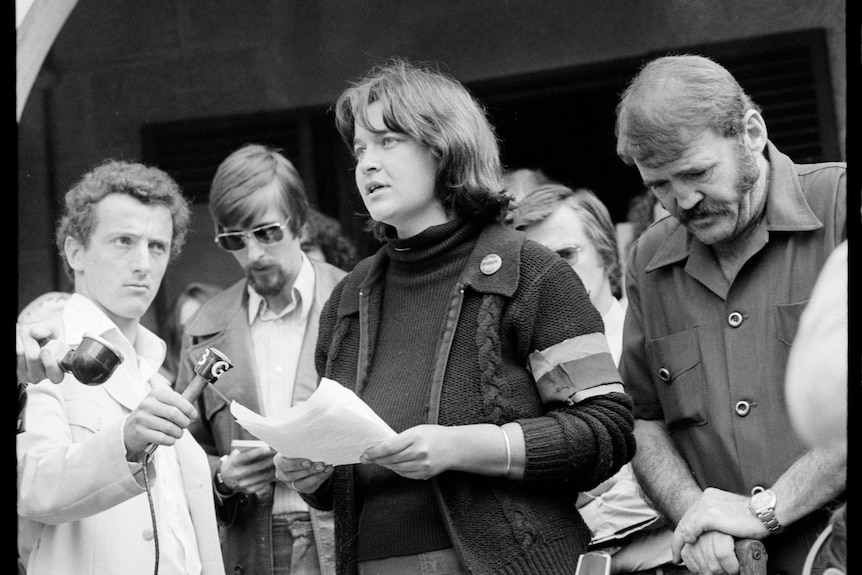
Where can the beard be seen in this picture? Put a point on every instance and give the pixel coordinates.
(266, 280)
(747, 174)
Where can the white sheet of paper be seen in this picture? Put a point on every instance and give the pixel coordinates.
(333, 426)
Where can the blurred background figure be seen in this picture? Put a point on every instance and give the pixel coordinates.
(521, 181)
(323, 239)
(184, 307)
(643, 210)
(43, 307)
(578, 226)
(46, 306)
(817, 386)
(818, 355)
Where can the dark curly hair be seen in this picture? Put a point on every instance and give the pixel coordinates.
(147, 184)
(326, 233)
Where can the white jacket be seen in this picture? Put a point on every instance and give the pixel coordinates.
(81, 509)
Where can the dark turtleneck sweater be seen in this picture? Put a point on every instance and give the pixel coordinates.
(400, 516)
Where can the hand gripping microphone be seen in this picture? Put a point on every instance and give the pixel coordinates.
(208, 369)
(92, 361)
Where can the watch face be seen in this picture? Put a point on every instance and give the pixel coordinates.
(762, 500)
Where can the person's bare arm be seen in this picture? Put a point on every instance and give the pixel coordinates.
(668, 482)
(816, 478)
(662, 472)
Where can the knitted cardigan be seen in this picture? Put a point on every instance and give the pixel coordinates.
(531, 302)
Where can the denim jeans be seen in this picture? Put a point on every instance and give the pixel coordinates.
(442, 562)
(293, 548)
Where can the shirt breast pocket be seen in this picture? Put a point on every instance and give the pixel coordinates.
(787, 318)
(675, 366)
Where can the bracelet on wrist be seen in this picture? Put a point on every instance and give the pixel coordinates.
(508, 453)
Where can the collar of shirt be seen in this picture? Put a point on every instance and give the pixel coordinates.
(302, 292)
(617, 310)
(81, 315)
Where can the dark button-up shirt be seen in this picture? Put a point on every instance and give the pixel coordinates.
(707, 355)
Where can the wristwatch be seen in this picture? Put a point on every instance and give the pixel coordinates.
(762, 505)
(220, 485)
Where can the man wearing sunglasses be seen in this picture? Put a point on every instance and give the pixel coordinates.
(267, 325)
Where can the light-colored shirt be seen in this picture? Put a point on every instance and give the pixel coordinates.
(178, 548)
(614, 319)
(277, 339)
(616, 509)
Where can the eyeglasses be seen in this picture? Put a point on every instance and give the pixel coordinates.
(572, 253)
(266, 234)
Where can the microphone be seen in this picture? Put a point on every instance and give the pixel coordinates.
(92, 362)
(208, 369)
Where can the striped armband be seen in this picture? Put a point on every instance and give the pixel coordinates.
(575, 369)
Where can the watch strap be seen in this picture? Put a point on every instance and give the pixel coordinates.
(770, 521)
(767, 514)
(220, 486)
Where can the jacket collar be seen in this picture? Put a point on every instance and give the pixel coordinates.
(786, 211)
(222, 308)
(141, 361)
(494, 241)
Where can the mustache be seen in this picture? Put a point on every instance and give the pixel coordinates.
(258, 267)
(703, 209)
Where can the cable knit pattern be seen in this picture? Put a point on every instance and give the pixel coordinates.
(488, 340)
(532, 302)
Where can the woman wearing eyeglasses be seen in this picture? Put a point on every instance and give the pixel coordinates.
(480, 348)
(266, 323)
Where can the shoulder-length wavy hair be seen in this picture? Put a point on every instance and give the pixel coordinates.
(442, 115)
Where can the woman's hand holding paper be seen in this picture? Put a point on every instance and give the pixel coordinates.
(301, 475)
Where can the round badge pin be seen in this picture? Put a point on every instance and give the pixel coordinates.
(490, 264)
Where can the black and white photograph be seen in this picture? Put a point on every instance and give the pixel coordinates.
(477, 287)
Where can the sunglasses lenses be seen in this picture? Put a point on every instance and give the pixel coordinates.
(233, 241)
(269, 234)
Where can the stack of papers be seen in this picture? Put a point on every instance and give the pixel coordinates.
(333, 426)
